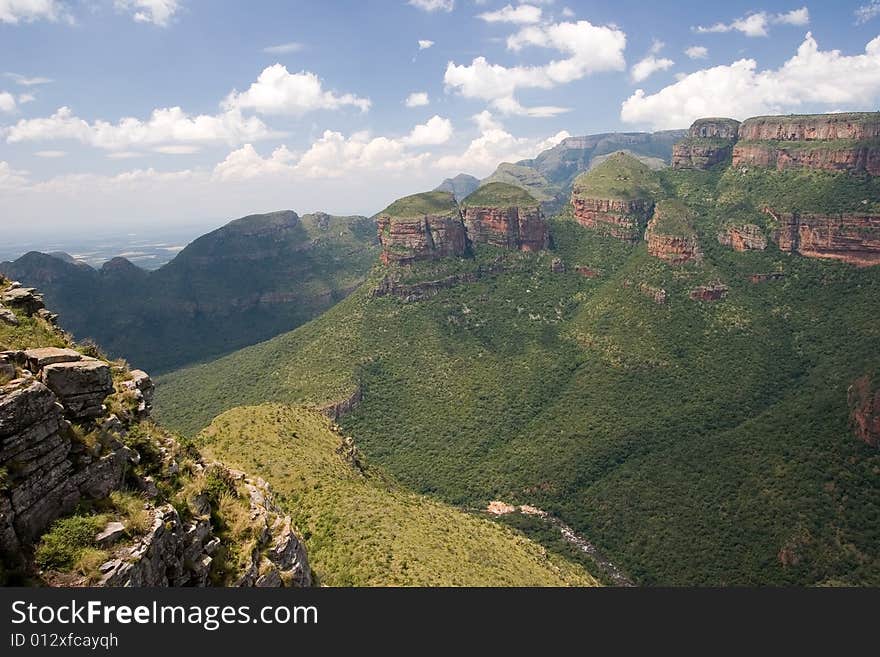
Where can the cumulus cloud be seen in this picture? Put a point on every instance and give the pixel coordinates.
(165, 126)
(587, 48)
(811, 78)
(697, 52)
(424, 44)
(28, 11)
(7, 102)
(279, 92)
(334, 155)
(758, 24)
(157, 12)
(433, 5)
(417, 99)
(495, 145)
(651, 64)
(284, 48)
(867, 12)
(52, 155)
(11, 178)
(521, 14)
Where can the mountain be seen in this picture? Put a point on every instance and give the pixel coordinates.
(247, 281)
(687, 378)
(549, 176)
(93, 492)
(460, 186)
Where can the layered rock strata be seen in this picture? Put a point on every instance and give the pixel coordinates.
(851, 238)
(709, 143)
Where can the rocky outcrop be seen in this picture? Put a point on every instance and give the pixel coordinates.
(851, 238)
(392, 285)
(849, 157)
(670, 235)
(745, 237)
(827, 142)
(814, 127)
(142, 388)
(656, 294)
(714, 292)
(624, 220)
(24, 299)
(515, 228)
(338, 410)
(422, 227)
(557, 266)
(709, 142)
(864, 405)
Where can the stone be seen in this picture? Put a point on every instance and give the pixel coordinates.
(408, 240)
(37, 359)
(110, 534)
(709, 143)
(676, 248)
(142, 385)
(25, 299)
(515, 228)
(851, 238)
(81, 386)
(8, 317)
(624, 220)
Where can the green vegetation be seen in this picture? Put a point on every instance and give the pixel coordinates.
(248, 281)
(621, 177)
(501, 195)
(841, 117)
(362, 529)
(693, 443)
(674, 217)
(419, 205)
(67, 540)
(527, 178)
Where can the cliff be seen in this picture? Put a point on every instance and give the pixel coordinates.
(505, 216)
(743, 237)
(671, 235)
(422, 227)
(75, 440)
(710, 142)
(616, 198)
(864, 404)
(852, 238)
(828, 142)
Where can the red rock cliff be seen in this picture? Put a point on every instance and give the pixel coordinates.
(855, 156)
(423, 238)
(517, 228)
(709, 142)
(816, 127)
(621, 219)
(848, 237)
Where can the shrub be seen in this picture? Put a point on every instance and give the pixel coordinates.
(63, 545)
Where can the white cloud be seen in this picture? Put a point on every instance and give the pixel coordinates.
(26, 81)
(424, 44)
(280, 92)
(7, 102)
(811, 78)
(758, 24)
(522, 14)
(867, 12)
(433, 5)
(157, 12)
(177, 149)
(697, 52)
(588, 48)
(165, 126)
(417, 99)
(568, 12)
(26, 98)
(284, 48)
(27, 11)
(52, 155)
(493, 146)
(651, 64)
(10, 178)
(124, 155)
(246, 163)
(436, 131)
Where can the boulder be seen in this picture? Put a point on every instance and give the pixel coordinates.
(25, 299)
(37, 359)
(8, 317)
(81, 386)
(110, 534)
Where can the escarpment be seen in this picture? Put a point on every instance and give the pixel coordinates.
(709, 143)
(852, 238)
(616, 198)
(506, 216)
(743, 237)
(422, 227)
(671, 235)
(92, 492)
(826, 142)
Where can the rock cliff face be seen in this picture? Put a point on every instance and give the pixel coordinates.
(624, 220)
(745, 237)
(422, 227)
(864, 404)
(828, 142)
(67, 423)
(505, 216)
(670, 235)
(714, 292)
(709, 142)
(848, 237)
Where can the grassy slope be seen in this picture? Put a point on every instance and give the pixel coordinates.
(364, 530)
(621, 177)
(499, 194)
(690, 461)
(417, 205)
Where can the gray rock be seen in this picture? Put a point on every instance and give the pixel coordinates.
(25, 299)
(111, 533)
(37, 359)
(81, 386)
(8, 317)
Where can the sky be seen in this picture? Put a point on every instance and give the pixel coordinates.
(134, 115)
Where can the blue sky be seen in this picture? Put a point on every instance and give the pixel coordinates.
(132, 113)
